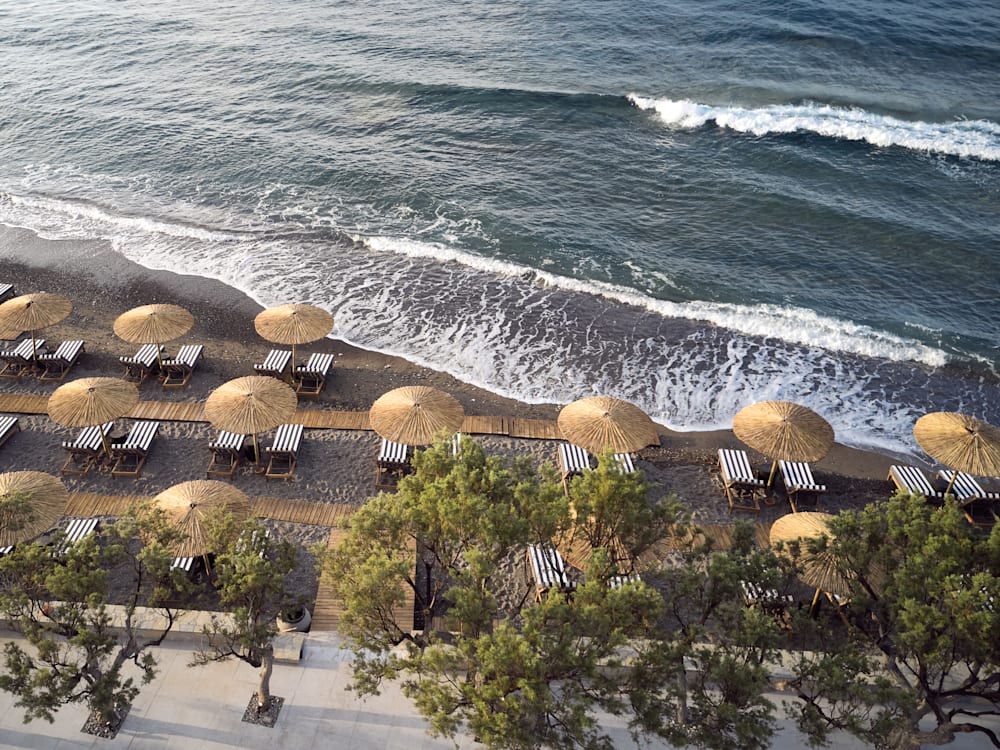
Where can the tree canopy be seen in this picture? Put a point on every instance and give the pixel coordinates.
(59, 597)
(537, 676)
(922, 661)
(250, 576)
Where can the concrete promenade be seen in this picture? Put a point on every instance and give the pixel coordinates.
(201, 708)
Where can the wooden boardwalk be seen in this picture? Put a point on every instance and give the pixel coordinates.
(324, 419)
(86, 504)
(328, 610)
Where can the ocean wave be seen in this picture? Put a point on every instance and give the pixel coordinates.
(102, 220)
(978, 139)
(790, 324)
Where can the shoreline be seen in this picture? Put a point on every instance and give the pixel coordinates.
(102, 284)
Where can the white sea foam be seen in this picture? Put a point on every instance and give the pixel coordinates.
(515, 331)
(970, 138)
(790, 324)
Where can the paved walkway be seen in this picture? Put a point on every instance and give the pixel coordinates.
(201, 708)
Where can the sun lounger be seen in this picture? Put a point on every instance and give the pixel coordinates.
(76, 530)
(86, 451)
(548, 570)
(965, 487)
(20, 359)
(743, 489)
(6, 292)
(275, 364)
(283, 453)
(8, 426)
(59, 362)
(755, 595)
(130, 455)
(913, 481)
(617, 582)
(573, 460)
(799, 481)
(177, 372)
(141, 365)
(392, 464)
(311, 377)
(978, 504)
(227, 450)
(624, 461)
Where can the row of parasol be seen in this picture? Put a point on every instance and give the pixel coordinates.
(289, 325)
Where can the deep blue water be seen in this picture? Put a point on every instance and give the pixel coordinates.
(690, 205)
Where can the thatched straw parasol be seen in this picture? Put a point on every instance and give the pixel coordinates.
(92, 401)
(153, 324)
(960, 442)
(783, 431)
(188, 504)
(30, 504)
(600, 422)
(293, 324)
(819, 569)
(8, 333)
(251, 405)
(414, 414)
(33, 312)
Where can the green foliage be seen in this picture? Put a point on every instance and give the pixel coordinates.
(16, 511)
(925, 638)
(538, 677)
(250, 576)
(59, 601)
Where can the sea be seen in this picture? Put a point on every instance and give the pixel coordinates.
(692, 205)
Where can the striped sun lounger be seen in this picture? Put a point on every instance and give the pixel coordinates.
(799, 480)
(743, 488)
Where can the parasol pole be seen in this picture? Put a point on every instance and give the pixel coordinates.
(954, 476)
(770, 477)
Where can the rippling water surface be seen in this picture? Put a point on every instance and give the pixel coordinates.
(690, 205)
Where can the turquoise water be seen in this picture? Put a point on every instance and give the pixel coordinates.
(691, 205)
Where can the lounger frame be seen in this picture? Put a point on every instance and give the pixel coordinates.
(227, 452)
(58, 364)
(130, 456)
(744, 490)
(177, 372)
(283, 453)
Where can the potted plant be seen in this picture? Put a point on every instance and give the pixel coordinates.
(294, 618)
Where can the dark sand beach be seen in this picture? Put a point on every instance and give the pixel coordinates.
(336, 466)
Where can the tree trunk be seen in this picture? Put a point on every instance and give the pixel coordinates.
(682, 697)
(264, 687)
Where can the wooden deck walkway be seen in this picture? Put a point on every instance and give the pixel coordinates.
(326, 419)
(86, 504)
(327, 610)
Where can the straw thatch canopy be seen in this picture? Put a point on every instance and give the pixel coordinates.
(92, 401)
(249, 405)
(293, 324)
(188, 504)
(960, 442)
(600, 422)
(414, 414)
(45, 498)
(819, 569)
(153, 324)
(33, 312)
(784, 431)
(10, 332)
